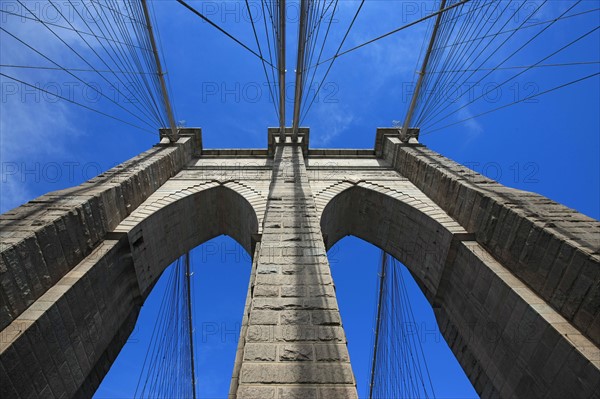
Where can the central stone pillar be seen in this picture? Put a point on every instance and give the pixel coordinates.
(292, 344)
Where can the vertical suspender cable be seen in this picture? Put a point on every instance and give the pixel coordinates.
(163, 86)
(299, 68)
(190, 331)
(281, 67)
(413, 102)
(384, 259)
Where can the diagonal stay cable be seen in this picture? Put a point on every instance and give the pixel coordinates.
(338, 54)
(70, 69)
(534, 24)
(261, 53)
(455, 60)
(516, 102)
(266, 11)
(312, 79)
(521, 67)
(68, 28)
(199, 14)
(497, 48)
(163, 56)
(127, 56)
(74, 102)
(518, 74)
(76, 77)
(139, 31)
(78, 55)
(116, 60)
(146, 112)
(332, 60)
(416, 342)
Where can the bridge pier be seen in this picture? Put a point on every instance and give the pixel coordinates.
(293, 341)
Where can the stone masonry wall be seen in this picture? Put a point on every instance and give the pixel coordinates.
(74, 268)
(295, 345)
(555, 250)
(45, 238)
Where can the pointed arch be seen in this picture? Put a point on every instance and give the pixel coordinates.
(96, 304)
(405, 229)
(167, 228)
(489, 318)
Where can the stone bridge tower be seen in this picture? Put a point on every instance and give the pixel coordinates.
(513, 277)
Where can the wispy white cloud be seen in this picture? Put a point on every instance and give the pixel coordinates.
(34, 125)
(12, 193)
(473, 127)
(334, 119)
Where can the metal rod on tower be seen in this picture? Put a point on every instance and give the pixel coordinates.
(161, 77)
(413, 101)
(281, 67)
(191, 333)
(299, 67)
(384, 259)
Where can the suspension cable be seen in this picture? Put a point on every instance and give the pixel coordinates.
(206, 19)
(159, 72)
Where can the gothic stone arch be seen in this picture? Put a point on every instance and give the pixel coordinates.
(512, 276)
(486, 315)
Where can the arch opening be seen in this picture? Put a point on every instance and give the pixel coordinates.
(220, 275)
(162, 237)
(409, 235)
(176, 228)
(357, 299)
(417, 240)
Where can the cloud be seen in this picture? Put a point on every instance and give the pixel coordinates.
(36, 126)
(334, 119)
(12, 192)
(474, 128)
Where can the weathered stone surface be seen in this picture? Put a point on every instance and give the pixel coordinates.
(295, 317)
(326, 318)
(260, 352)
(264, 317)
(266, 290)
(331, 353)
(296, 352)
(513, 277)
(57, 230)
(297, 393)
(257, 392)
(293, 291)
(297, 373)
(534, 237)
(291, 261)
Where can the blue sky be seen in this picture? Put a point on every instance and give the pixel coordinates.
(550, 145)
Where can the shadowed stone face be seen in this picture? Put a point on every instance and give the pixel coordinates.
(291, 263)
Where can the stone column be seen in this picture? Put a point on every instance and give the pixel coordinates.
(294, 345)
